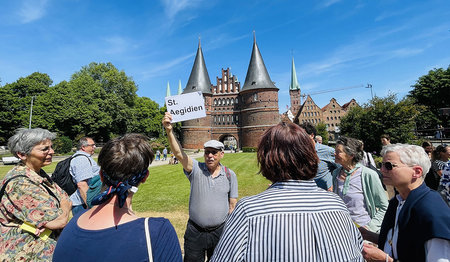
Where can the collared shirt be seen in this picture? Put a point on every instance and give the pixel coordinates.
(209, 197)
(290, 221)
(326, 166)
(82, 168)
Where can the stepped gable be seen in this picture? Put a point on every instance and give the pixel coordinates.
(257, 75)
(199, 78)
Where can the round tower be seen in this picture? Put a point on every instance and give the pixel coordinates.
(197, 131)
(259, 98)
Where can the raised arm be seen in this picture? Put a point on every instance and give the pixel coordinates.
(175, 146)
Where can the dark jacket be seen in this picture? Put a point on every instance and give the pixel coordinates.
(424, 216)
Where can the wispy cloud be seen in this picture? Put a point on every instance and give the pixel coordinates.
(116, 45)
(32, 10)
(328, 3)
(164, 67)
(173, 7)
(386, 15)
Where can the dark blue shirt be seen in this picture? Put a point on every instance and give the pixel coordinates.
(125, 243)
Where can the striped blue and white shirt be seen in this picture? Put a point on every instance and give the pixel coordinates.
(290, 221)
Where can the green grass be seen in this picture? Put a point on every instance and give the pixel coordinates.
(167, 188)
(166, 191)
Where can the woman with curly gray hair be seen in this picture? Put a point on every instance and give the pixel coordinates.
(33, 209)
(359, 186)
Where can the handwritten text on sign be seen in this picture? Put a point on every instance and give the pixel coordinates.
(186, 107)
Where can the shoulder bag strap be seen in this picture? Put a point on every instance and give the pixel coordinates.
(147, 237)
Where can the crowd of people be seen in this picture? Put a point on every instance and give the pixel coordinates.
(323, 203)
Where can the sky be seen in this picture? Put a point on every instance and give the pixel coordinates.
(339, 46)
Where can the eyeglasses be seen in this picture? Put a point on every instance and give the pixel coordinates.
(93, 145)
(209, 151)
(388, 165)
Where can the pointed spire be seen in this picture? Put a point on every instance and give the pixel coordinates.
(199, 78)
(168, 89)
(257, 76)
(294, 83)
(180, 90)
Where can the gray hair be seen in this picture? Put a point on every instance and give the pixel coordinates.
(83, 142)
(410, 155)
(25, 139)
(352, 147)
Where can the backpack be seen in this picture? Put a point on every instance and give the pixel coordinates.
(62, 177)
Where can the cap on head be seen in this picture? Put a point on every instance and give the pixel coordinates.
(214, 144)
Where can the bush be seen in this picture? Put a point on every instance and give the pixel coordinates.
(249, 149)
(62, 145)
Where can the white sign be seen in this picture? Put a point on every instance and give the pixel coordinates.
(186, 107)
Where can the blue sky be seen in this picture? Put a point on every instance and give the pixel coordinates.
(336, 44)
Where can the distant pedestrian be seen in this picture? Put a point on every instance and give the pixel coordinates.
(165, 154)
(158, 155)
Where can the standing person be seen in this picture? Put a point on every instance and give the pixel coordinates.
(214, 192)
(111, 231)
(385, 139)
(158, 155)
(293, 220)
(33, 209)
(416, 225)
(367, 159)
(359, 187)
(325, 153)
(439, 157)
(165, 153)
(82, 169)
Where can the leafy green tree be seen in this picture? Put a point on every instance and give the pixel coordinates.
(381, 116)
(433, 92)
(322, 131)
(111, 80)
(15, 101)
(145, 118)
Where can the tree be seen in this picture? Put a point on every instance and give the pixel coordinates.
(15, 100)
(322, 131)
(381, 116)
(432, 91)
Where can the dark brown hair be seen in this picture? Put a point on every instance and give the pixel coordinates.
(287, 152)
(125, 156)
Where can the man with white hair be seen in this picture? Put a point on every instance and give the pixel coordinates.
(416, 225)
(213, 196)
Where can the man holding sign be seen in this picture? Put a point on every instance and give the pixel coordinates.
(213, 195)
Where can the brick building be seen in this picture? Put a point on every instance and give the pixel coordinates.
(234, 116)
(309, 111)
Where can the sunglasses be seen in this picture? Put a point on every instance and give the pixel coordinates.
(388, 165)
(208, 151)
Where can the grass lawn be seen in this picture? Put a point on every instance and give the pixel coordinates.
(166, 191)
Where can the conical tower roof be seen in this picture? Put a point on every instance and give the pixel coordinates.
(168, 89)
(199, 78)
(294, 83)
(257, 76)
(180, 90)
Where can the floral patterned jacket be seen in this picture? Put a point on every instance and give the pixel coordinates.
(27, 199)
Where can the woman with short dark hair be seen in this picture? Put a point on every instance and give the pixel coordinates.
(33, 209)
(359, 186)
(111, 231)
(293, 220)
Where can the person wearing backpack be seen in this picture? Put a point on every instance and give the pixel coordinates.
(213, 195)
(82, 169)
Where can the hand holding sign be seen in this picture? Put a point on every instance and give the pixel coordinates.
(186, 107)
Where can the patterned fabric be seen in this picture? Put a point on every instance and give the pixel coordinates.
(444, 187)
(27, 200)
(290, 221)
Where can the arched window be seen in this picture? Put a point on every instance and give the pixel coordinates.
(215, 102)
(255, 97)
